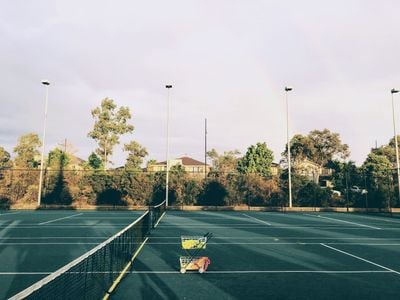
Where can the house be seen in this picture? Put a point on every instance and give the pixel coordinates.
(311, 170)
(274, 169)
(190, 165)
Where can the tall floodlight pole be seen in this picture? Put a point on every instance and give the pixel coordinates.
(46, 83)
(168, 87)
(394, 91)
(288, 89)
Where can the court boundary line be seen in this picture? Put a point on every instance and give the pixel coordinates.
(216, 272)
(338, 220)
(360, 258)
(43, 223)
(257, 219)
(212, 243)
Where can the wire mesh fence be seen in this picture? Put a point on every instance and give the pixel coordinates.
(123, 187)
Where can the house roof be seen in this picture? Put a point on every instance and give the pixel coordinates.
(186, 161)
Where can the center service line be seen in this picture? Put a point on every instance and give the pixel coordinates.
(60, 219)
(360, 258)
(258, 220)
(338, 220)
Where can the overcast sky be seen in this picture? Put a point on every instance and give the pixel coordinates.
(228, 61)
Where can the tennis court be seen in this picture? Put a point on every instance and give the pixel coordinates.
(271, 255)
(34, 244)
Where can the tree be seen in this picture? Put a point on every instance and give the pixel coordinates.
(4, 158)
(94, 162)
(109, 125)
(226, 162)
(58, 159)
(27, 151)
(378, 177)
(301, 148)
(258, 160)
(328, 146)
(136, 154)
(318, 146)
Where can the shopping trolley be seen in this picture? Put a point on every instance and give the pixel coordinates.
(192, 246)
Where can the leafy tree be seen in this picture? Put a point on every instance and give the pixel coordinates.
(135, 156)
(226, 162)
(258, 160)
(214, 193)
(256, 189)
(150, 162)
(328, 146)
(109, 125)
(5, 161)
(318, 146)
(311, 194)
(58, 159)
(27, 151)
(378, 176)
(94, 162)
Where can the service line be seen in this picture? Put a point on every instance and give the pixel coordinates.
(258, 220)
(348, 222)
(360, 258)
(60, 219)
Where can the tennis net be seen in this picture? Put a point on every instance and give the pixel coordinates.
(90, 275)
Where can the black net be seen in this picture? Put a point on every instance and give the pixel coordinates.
(91, 275)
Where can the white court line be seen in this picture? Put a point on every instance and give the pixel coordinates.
(360, 258)
(60, 219)
(211, 272)
(338, 220)
(280, 238)
(258, 220)
(263, 272)
(54, 237)
(212, 243)
(17, 212)
(278, 243)
(396, 221)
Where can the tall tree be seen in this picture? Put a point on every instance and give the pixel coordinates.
(27, 151)
(318, 146)
(5, 161)
(110, 124)
(226, 162)
(258, 160)
(328, 146)
(136, 155)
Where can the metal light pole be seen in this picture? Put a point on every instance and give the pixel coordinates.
(394, 91)
(288, 89)
(168, 87)
(46, 83)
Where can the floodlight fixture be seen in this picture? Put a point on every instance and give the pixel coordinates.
(288, 88)
(45, 82)
(394, 91)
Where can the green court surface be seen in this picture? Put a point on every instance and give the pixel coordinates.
(34, 244)
(271, 255)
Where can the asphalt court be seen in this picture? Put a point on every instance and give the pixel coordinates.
(256, 255)
(34, 244)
